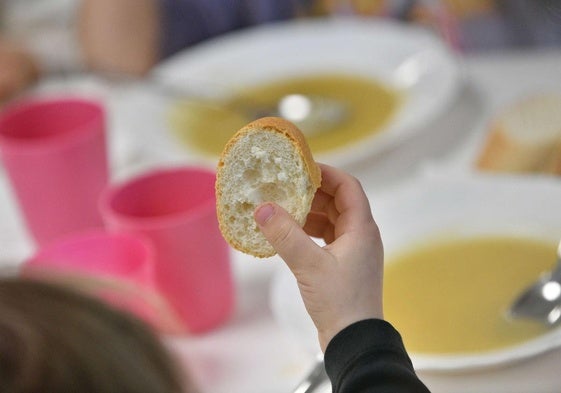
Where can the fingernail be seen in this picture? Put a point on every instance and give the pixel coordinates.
(264, 213)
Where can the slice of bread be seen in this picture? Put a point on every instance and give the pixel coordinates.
(525, 137)
(268, 160)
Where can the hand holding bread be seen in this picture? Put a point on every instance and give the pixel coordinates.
(268, 201)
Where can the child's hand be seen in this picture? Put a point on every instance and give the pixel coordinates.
(340, 283)
(18, 70)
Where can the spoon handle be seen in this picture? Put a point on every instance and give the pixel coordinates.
(315, 377)
(556, 272)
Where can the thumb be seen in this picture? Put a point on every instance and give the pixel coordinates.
(286, 236)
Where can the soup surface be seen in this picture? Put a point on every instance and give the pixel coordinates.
(452, 296)
(371, 105)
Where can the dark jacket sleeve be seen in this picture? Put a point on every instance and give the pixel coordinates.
(369, 357)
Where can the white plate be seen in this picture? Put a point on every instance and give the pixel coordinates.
(465, 207)
(410, 59)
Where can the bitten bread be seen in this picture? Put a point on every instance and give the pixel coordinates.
(268, 160)
(525, 137)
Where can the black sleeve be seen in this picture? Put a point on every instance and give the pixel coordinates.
(369, 357)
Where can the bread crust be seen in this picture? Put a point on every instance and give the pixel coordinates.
(502, 153)
(298, 140)
(554, 163)
(536, 150)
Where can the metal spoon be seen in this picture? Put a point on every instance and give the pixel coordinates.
(541, 301)
(315, 378)
(311, 113)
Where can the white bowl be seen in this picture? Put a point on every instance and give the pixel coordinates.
(431, 206)
(408, 58)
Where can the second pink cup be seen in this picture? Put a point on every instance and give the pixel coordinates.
(175, 209)
(118, 268)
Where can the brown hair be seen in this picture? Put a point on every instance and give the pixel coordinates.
(54, 339)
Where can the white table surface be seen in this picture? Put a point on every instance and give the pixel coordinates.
(252, 353)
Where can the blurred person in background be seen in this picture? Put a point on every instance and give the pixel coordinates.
(41, 37)
(50, 37)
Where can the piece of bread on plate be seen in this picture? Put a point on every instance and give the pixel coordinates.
(525, 137)
(268, 160)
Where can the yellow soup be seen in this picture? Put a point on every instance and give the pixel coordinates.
(371, 104)
(452, 296)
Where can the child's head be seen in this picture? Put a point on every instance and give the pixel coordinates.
(53, 339)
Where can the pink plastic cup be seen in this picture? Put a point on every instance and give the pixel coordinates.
(119, 268)
(175, 209)
(54, 153)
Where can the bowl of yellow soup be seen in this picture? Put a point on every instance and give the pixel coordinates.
(393, 79)
(457, 252)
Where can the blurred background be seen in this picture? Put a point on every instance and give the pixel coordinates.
(71, 45)
(446, 110)
(45, 37)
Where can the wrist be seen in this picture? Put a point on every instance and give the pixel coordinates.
(326, 336)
